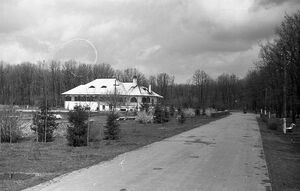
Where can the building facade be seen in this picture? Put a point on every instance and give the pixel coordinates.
(106, 94)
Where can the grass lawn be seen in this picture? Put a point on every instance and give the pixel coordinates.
(33, 163)
(283, 158)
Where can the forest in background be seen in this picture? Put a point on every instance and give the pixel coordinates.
(26, 84)
(275, 79)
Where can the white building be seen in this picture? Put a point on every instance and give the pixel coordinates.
(103, 94)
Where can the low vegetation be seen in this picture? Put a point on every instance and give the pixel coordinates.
(144, 117)
(282, 157)
(273, 124)
(181, 118)
(44, 161)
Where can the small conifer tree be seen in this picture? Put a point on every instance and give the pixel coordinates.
(44, 124)
(161, 115)
(158, 114)
(112, 130)
(172, 110)
(77, 131)
(181, 117)
(166, 115)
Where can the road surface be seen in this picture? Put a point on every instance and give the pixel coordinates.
(226, 155)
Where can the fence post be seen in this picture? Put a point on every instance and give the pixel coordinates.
(1, 131)
(284, 125)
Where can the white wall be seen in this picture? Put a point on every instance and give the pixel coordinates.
(69, 105)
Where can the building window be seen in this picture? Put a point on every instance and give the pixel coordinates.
(91, 98)
(103, 107)
(103, 86)
(120, 99)
(133, 100)
(77, 98)
(68, 98)
(92, 87)
(145, 100)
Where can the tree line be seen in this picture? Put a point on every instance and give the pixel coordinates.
(275, 83)
(28, 84)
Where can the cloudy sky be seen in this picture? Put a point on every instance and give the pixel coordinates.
(172, 36)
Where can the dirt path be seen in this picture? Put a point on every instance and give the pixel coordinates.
(222, 155)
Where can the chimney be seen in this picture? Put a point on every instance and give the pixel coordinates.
(134, 81)
(149, 89)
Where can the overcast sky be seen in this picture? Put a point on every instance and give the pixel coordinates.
(172, 36)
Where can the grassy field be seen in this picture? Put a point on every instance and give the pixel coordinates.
(32, 163)
(283, 158)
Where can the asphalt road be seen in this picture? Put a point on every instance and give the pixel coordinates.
(223, 155)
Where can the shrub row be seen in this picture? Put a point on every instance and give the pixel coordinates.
(220, 113)
(272, 123)
(144, 117)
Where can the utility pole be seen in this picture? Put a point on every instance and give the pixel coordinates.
(88, 121)
(46, 120)
(46, 108)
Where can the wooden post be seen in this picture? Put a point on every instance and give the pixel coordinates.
(46, 111)
(265, 104)
(88, 130)
(1, 130)
(10, 141)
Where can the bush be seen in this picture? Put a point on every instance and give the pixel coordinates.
(172, 111)
(144, 117)
(189, 112)
(166, 115)
(112, 130)
(9, 126)
(181, 117)
(77, 131)
(161, 115)
(209, 111)
(264, 118)
(273, 124)
(145, 107)
(197, 111)
(44, 123)
(220, 113)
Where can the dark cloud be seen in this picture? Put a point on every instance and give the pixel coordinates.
(173, 36)
(271, 3)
